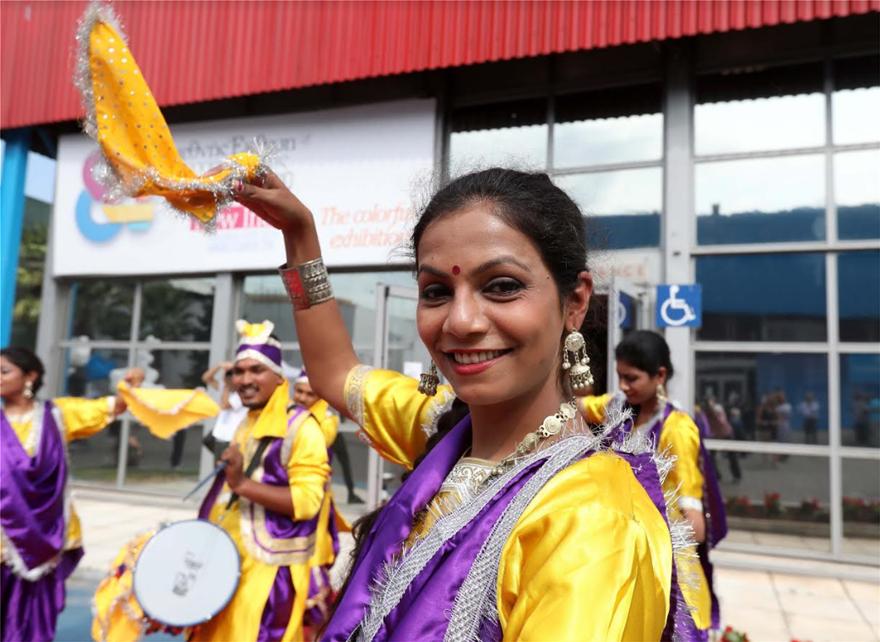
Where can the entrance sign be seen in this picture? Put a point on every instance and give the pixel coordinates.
(358, 168)
(679, 306)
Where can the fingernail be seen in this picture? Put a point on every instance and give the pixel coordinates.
(237, 186)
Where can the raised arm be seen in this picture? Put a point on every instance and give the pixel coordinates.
(327, 351)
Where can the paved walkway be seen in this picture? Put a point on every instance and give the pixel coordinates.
(794, 600)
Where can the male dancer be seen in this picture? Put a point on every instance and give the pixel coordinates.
(274, 519)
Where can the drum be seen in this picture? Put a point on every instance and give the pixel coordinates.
(186, 573)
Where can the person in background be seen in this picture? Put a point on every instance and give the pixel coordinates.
(766, 418)
(232, 412)
(808, 409)
(338, 447)
(644, 366)
(321, 593)
(783, 417)
(720, 428)
(42, 536)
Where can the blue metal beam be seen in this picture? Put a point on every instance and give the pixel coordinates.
(15, 158)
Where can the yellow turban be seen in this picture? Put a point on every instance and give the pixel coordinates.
(123, 117)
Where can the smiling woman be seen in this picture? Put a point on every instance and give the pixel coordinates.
(515, 521)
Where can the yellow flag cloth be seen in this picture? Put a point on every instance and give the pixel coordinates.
(140, 156)
(164, 412)
(117, 615)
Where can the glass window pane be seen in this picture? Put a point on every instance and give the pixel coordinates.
(855, 102)
(780, 501)
(264, 297)
(102, 309)
(861, 508)
(622, 208)
(860, 399)
(775, 108)
(177, 309)
(507, 134)
(610, 126)
(762, 200)
(94, 373)
(858, 295)
(764, 297)
(781, 398)
(159, 464)
(857, 193)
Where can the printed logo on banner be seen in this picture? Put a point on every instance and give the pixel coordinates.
(679, 306)
(138, 216)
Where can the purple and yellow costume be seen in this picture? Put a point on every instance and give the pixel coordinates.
(692, 480)
(327, 537)
(568, 544)
(41, 534)
(275, 549)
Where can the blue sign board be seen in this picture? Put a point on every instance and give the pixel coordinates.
(679, 306)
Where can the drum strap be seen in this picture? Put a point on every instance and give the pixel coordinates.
(252, 466)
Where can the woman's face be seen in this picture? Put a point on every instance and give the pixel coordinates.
(489, 310)
(636, 384)
(12, 379)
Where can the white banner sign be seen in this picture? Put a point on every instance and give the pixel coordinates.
(357, 168)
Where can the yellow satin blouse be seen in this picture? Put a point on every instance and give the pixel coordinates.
(680, 438)
(81, 418)
(329, 421)
(591, 557)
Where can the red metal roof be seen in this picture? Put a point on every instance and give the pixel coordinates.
(196, 51)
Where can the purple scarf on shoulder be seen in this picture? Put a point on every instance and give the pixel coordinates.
(32, 491)
(423, 611)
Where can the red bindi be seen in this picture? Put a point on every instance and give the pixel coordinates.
(456, 269)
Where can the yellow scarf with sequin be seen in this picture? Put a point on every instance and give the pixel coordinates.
(140, 156)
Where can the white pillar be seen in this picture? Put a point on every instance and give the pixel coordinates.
(678, 226)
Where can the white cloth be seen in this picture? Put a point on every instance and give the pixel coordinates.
(229, 419)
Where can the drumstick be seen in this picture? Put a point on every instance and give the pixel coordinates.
(220, 468)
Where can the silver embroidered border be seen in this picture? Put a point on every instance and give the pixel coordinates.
(398, 574)
(438, 408)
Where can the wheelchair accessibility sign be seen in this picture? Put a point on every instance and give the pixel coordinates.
(679, 306)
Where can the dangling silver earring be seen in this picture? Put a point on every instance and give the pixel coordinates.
(578, 367)
(28, 390)
(661, 391)
(428, 381)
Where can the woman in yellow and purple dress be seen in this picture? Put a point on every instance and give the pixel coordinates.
(41, 534)
(515, 521)
(643, 368)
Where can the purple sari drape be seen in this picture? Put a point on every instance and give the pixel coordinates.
(32, 516)
(423, 611)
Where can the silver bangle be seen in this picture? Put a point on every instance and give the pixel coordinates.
(307, 284)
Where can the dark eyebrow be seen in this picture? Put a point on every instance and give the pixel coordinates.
(483, 267)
